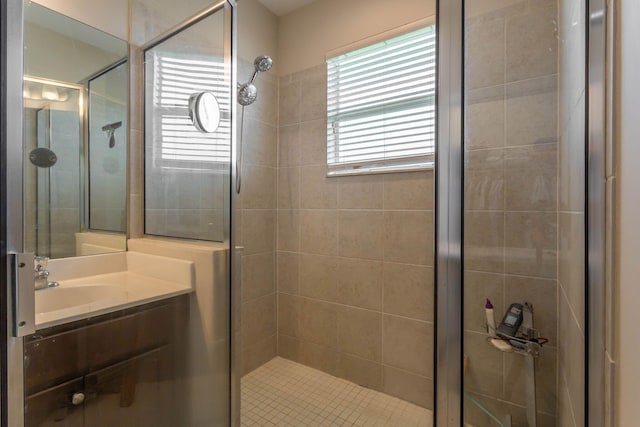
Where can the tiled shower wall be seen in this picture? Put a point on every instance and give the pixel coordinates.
(354, 258)
(571, 217)
(511, 207)
(257, 227)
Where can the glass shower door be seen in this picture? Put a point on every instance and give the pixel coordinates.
(524, 147)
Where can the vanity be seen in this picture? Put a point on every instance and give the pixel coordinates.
(109, 341)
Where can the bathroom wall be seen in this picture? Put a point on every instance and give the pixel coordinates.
(108, 165)
(110, 16)
(511, 199)
(257, 201)
(355, 254)
(571, 215)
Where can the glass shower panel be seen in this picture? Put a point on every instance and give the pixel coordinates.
(337, 279)
(524, 213)
(185, 168)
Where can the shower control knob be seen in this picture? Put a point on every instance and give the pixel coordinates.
(77, 398)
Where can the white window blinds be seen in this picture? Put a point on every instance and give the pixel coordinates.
(181, 144)
(381, 106)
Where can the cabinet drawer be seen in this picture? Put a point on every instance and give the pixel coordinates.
(50, 360)
(53, 407)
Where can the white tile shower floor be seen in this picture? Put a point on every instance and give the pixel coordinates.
(286, 393)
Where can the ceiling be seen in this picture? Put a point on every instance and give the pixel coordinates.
(282, 7)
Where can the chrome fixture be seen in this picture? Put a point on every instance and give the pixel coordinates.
(247, 92)
(42, 274)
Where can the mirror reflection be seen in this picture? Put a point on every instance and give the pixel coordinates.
(75, 136)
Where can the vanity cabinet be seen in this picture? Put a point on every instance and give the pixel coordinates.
(115, 370)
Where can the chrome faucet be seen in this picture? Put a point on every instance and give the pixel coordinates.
(42, 274)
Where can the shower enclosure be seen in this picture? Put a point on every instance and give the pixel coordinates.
(393, 178)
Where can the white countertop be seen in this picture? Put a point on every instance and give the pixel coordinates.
(119, 281)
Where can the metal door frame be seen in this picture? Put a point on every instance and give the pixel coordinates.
(12, 407)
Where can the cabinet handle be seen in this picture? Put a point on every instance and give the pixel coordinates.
(77, 398)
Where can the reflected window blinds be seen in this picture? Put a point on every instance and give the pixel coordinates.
(182, 145)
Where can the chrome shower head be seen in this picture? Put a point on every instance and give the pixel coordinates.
(247, 92)
(263, 63)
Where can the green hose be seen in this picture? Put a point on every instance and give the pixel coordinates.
(483, 409)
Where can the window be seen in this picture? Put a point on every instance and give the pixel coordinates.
(381, 105)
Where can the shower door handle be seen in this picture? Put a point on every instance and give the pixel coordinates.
(23, 294)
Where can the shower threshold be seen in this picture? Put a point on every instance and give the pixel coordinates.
(286, 393)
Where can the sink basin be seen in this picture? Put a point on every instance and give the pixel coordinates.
(61, 298)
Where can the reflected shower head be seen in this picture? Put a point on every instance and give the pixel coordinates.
(247, 92)
(263, 63)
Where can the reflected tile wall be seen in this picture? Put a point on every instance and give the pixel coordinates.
(511, 198)
(354, 261)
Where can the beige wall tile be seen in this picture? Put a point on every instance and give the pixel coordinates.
(361, 234)
(313, 90)
(484, 118)
(258, 187)
(319, 277)
(407, 386)
(477, 288)
(360, 283)
(289, 347)
(289, 188)
(260, 225)
(258, 319)
(532, 44)
(408, 291)
(360, 371)
(571, 366)
(484, 365)
(258, 275)
(485, 38)
(289, 145)
(289, 103)
(318, 356)
(409, 191)
(318, 322)
(319, 232)
(530, 178)
(542, 293)
(360, 333)
(288, 230)
(313, 140)
(408, 237)
(484, 180)
(259, 353)
(571, 260)
(532, 112)
(288, 269)
(288, 314)
(530, 241)
(264, 107)
(571, 165)
(259, 143)
(408, 344)
(316, 190)
(360, 192)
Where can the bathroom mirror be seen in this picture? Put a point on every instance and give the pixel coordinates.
(75, 136)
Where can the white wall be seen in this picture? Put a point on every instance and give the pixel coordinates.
(110, 16)
(307, 34)
(628, 376)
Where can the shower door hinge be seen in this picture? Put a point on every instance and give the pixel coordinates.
(22, 293)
